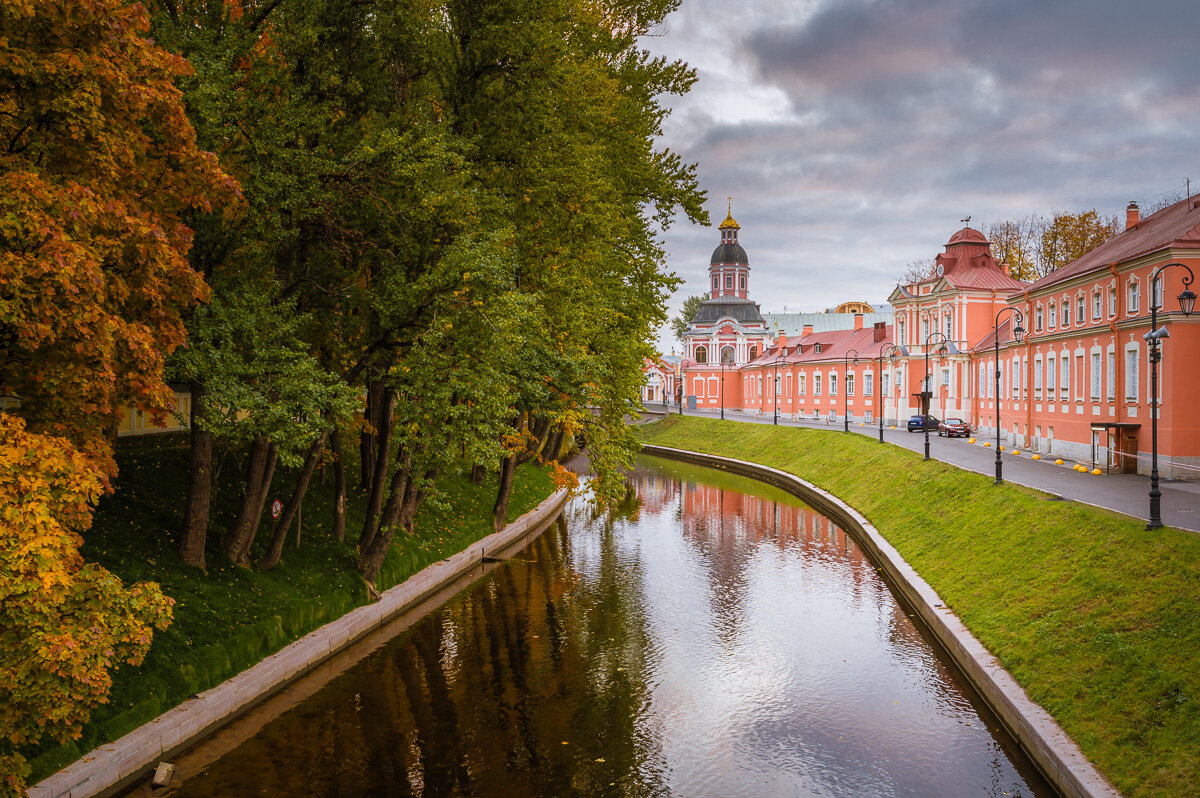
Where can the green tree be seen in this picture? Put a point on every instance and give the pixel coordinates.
(679, 324)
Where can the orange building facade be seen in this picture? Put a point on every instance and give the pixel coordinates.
(1076, 386)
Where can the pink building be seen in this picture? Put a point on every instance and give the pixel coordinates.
(1076, 386)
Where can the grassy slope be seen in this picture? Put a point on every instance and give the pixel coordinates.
(1097, 618)
(230, 618)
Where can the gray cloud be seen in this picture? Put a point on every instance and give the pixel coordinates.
(854, 134)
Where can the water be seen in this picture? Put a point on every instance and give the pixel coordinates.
(724, 639)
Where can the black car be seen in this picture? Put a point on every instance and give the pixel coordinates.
(921, 423)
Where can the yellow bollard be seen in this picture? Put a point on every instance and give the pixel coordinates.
(970, 440)
(1002, 448)
(1036, 457)
(1059, 461)
(1016, 451)
(987, 443)
(1097, 471)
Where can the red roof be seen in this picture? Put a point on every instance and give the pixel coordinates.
(1176, 225)
(834, 346)
(967, 235)
(988, 342)
(984, 278)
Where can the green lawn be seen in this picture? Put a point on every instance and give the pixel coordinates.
(1096, 617)
(230, 618)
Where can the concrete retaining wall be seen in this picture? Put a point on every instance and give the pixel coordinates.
(1056, 754)
(118, 764)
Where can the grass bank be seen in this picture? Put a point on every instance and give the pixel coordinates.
(229, 618)
(1097, 618)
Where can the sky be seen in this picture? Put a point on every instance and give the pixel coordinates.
(855, 135)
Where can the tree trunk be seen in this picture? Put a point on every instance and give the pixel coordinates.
(540, 429)
(232, 542)
(503, 491)
(383, 443)
(339, 488)
(372, 557)
(271, 558)
(369, 441)
(554, 446)
(263, 494)
(478, 472)
(195, 517)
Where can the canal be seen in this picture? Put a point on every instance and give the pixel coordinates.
(716, 638)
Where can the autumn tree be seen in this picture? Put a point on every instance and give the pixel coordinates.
(1035, 245)
(99, 165)
(64, 625)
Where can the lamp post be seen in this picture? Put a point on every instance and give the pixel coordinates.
(682, 388)
(1018, 335)
(846, 388)
(891, 351)
(928, 389)
(776, 418)
(1187, 302)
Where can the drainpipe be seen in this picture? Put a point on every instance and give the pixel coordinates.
(1118, 366)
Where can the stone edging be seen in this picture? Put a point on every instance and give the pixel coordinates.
(121, 762)
(1055, 753)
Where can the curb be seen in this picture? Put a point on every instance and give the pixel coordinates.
(121, 762)
(1043, 740)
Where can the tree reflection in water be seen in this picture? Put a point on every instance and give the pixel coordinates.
(712, 636)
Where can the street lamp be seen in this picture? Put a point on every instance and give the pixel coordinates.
(892, 352)
(928, 390)
(1018, 335)
(681, 388)
(778, 358)
(846, 388)
(1187, 302)
(723, 360)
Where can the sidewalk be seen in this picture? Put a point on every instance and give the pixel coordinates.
(1124, 493)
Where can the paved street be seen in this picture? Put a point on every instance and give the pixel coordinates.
(1125, 493)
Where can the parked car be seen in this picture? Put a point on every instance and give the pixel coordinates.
(920, 423)
(954, 428)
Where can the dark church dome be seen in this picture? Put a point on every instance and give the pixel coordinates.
(729, 252)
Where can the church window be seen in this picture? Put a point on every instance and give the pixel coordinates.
(742, 282)
(701, 354)
(727, 355)
(716, 283)
(753, 352)
(729, 281)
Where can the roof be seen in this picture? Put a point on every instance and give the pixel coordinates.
(835, 345)
(984, 278)
(988, 342)
(1176, 225)
(730, 252)
(967, 235)
(712, 310)
(793, 324)
(729, 222)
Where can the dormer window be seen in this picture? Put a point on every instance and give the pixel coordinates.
(816, 347)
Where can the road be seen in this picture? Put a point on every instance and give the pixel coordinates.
(1124, 493)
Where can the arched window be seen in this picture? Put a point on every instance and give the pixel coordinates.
(701, 354)
(753, 352)
(727, 355)
(742, 282)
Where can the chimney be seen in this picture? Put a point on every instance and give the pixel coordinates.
(807, 331)
(879, 331)
(1007, 267)
(858, 321)
(781, 341)
(1131, 215)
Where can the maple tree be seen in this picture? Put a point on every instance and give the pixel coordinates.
(64, 624)
(98, 165)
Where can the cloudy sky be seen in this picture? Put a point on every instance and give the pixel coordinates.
(854, 135)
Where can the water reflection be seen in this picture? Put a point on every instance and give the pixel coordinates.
(720, 639)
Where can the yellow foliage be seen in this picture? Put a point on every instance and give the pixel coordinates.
(64, 624)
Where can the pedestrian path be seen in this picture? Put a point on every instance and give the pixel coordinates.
(1124, 493)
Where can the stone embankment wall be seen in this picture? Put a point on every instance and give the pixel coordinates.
(1055, 753)
(118, 764)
